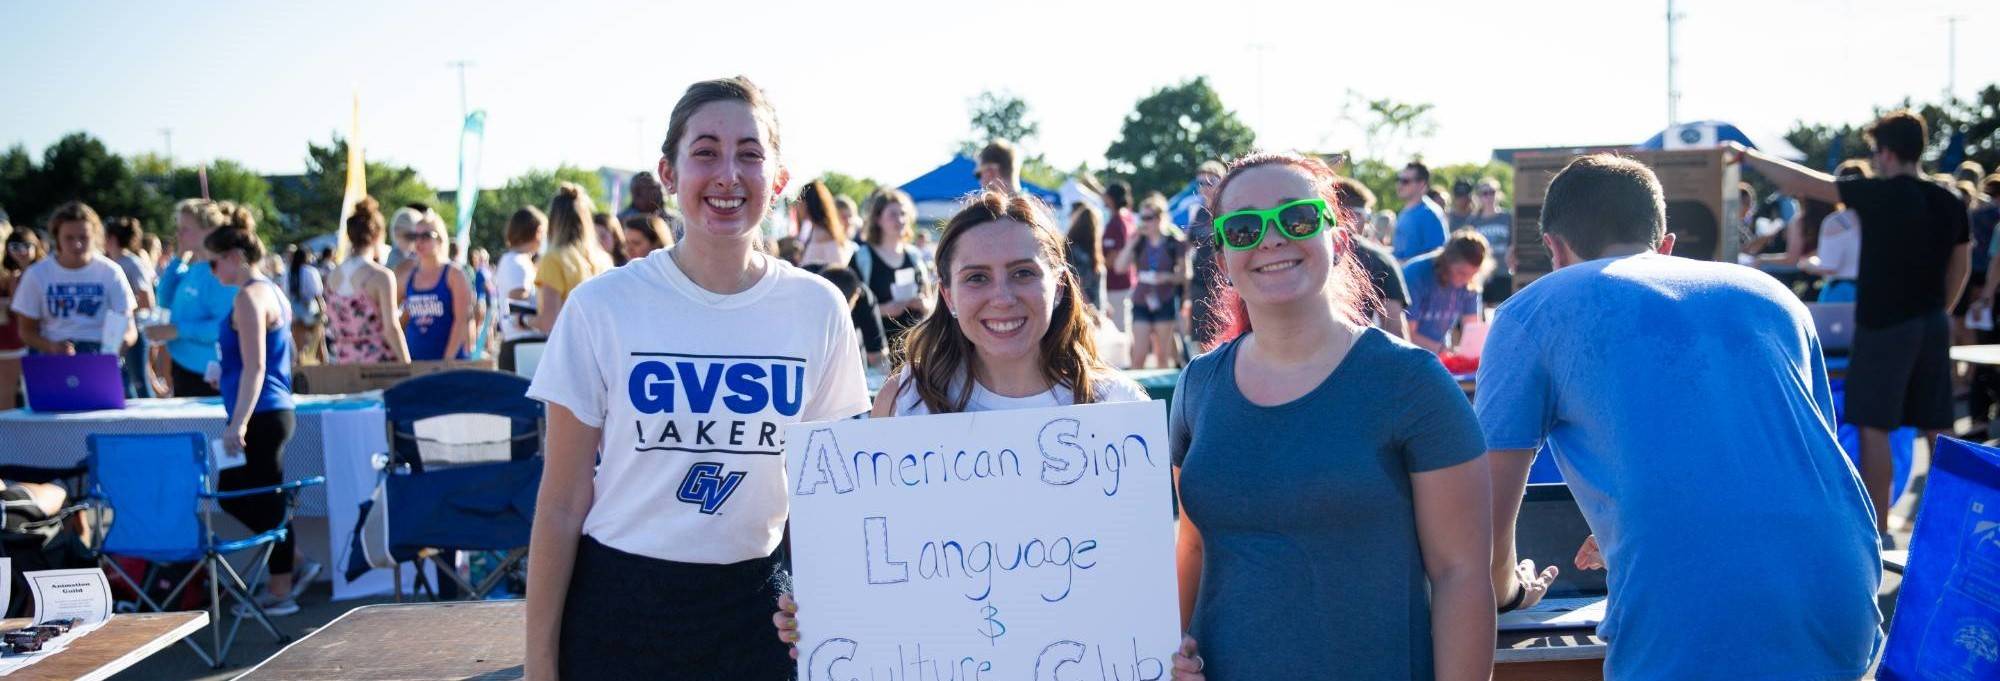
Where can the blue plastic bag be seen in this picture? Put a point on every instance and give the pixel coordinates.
(1947, 623)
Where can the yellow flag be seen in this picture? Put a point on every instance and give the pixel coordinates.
(357, 181)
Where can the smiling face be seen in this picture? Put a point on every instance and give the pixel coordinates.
(1002, 289)
(1278, 270)
(724, 172)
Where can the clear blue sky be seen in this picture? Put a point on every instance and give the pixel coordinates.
(880, 89)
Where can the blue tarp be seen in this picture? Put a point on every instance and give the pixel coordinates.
(956, 179)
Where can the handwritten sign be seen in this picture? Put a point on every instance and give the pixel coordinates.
(1025, 544)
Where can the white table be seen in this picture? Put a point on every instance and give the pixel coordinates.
(336, 436)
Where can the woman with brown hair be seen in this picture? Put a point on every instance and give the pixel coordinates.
(627, 578)
(1444, 289)
(1157, 256)
(24, 248)
(610, 237)
(892, 269)
(822, 233)
(574, 256)
(645, 233)
(363, 324)
(1014, 331)
(1085, 253)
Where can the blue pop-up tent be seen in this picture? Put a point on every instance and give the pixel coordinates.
(1705, 134)
(939, 192)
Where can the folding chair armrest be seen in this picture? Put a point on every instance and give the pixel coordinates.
(288, 487)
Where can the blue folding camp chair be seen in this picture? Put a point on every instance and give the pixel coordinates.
(161, 490)
(1947, 622)
(462, 476)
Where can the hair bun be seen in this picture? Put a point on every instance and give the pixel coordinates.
(569, 190)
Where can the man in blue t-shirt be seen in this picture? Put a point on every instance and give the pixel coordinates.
(1688, 407)
(1420, 227)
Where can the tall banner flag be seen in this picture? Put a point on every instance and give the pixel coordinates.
(357, 180)
(471, 142)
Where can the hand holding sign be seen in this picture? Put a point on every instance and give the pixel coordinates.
(1030, 544)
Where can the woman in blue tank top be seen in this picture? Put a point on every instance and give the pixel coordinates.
(256, 385)
(437, 297)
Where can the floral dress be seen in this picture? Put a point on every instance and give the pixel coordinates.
(355, 328)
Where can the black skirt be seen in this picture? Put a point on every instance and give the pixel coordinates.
(633, 617)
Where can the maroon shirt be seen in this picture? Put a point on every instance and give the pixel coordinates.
(1116, 232)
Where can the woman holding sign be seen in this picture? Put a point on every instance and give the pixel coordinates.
(656, 546)
(1334, 495)
(1014, 332)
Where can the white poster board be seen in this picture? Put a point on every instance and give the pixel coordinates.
(1026, 544)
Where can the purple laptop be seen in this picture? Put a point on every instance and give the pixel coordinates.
(73, 382)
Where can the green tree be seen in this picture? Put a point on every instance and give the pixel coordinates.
(1005, 116)
(230, 181)
(1977, 118)
(313, 206)
(533, 188)
(856, 188)
(998, 116)
(77, 167)
(1171, 132)
(1387, 125)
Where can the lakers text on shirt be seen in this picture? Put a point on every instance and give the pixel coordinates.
(713, 404)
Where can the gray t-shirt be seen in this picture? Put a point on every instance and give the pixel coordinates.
(138, 275)
(1308, 527)
(1498, 230)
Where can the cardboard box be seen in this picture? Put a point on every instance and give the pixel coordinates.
(1700, 187)
(338, 379)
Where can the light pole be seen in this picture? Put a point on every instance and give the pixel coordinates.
(1673, 61)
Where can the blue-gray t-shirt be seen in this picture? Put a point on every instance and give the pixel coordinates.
(1687, 404)
(1435, 309)
(1311, 567)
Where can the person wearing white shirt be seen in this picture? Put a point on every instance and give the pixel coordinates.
(657, 544)
(515, 279)
(1839, 256)
(77, 302)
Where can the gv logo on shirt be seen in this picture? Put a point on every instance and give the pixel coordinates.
(706, 486)
(695, 383)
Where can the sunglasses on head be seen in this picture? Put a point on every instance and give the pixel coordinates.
(1244, 229)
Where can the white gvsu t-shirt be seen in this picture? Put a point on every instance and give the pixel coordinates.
(692, 394)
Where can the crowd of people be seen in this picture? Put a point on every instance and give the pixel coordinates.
(1314, 426)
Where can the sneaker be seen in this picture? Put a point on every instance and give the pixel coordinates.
(273, 606)
(302, 578)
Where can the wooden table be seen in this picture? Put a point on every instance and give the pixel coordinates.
(483, 640)
(1559, 655)
(123, 641)
(468, 640)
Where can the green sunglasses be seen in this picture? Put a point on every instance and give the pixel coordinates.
(1303, 219)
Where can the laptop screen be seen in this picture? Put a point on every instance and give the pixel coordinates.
(1549, 532)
